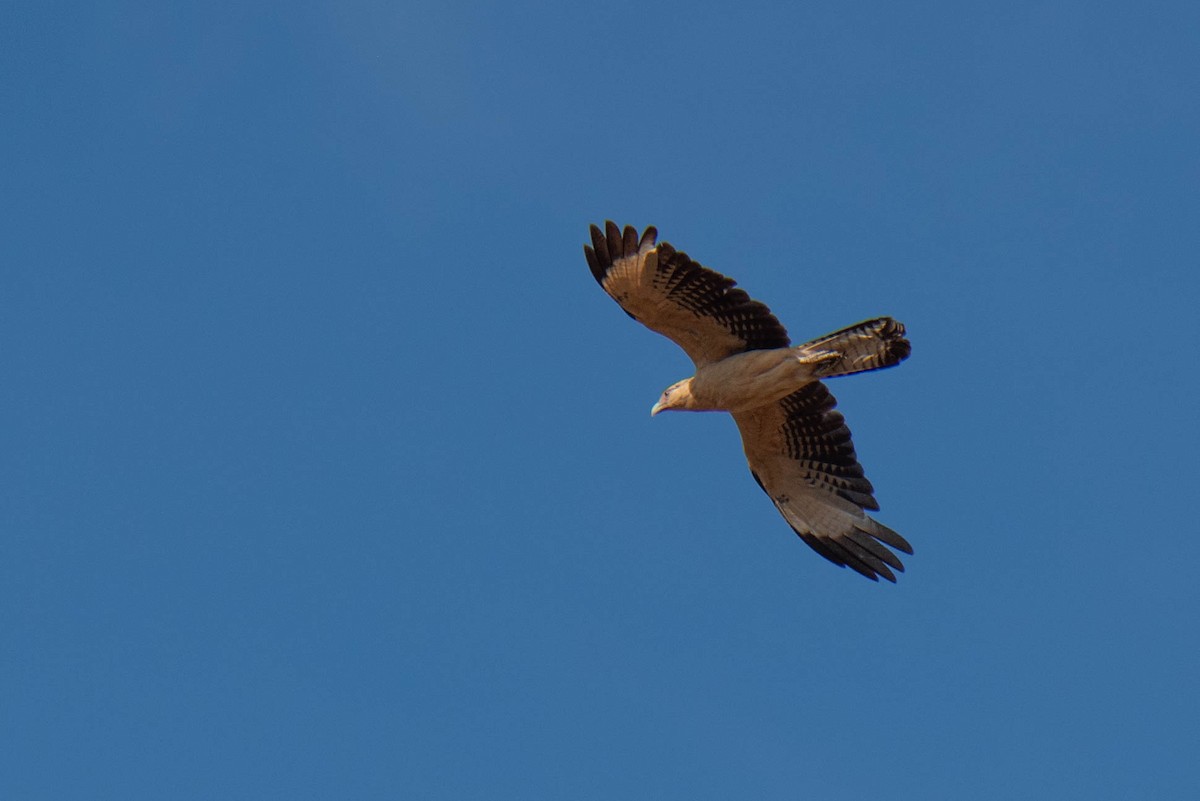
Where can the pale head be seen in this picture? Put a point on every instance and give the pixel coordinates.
(676, 396)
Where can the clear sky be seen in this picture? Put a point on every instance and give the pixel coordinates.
(328, 470)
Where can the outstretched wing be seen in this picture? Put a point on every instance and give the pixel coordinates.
(699, 309)
(800, 453)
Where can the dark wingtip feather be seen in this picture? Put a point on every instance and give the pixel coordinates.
(836, 552)
(890, 538)
(867, 557)
(649, 237)
(876, 549)
(600, 246)
(598, 270)
(629, 241)
(859, 552)
(612, 232)
(611, 243)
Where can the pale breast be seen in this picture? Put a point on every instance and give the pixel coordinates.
(751, 379)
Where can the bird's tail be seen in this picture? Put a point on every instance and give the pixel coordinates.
(870, 345)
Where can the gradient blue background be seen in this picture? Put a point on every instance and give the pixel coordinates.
(327, 470)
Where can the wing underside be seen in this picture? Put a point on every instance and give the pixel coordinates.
(702, 311)
(801, 454)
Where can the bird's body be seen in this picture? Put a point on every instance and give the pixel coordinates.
(798, 448)
(743, 381)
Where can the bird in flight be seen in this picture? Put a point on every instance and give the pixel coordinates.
(798, 447)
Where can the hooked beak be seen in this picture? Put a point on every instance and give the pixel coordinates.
(656, 408)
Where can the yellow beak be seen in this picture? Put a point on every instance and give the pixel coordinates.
(656, 408)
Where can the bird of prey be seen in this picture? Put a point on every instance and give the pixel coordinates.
(798, 447)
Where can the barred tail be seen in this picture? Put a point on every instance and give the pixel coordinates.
(870, 345)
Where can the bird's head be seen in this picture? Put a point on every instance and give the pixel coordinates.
(676, 396)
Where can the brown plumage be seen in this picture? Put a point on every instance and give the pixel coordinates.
(797, 446)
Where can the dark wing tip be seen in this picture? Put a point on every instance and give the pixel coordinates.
(860, 551)
(598, 270)
(890, 538)
(600, 246)
(629, 239)
(649, 237)
(836, 552)
(613, 243)
(612, 233)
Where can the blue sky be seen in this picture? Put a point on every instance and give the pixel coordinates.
(328, 469)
